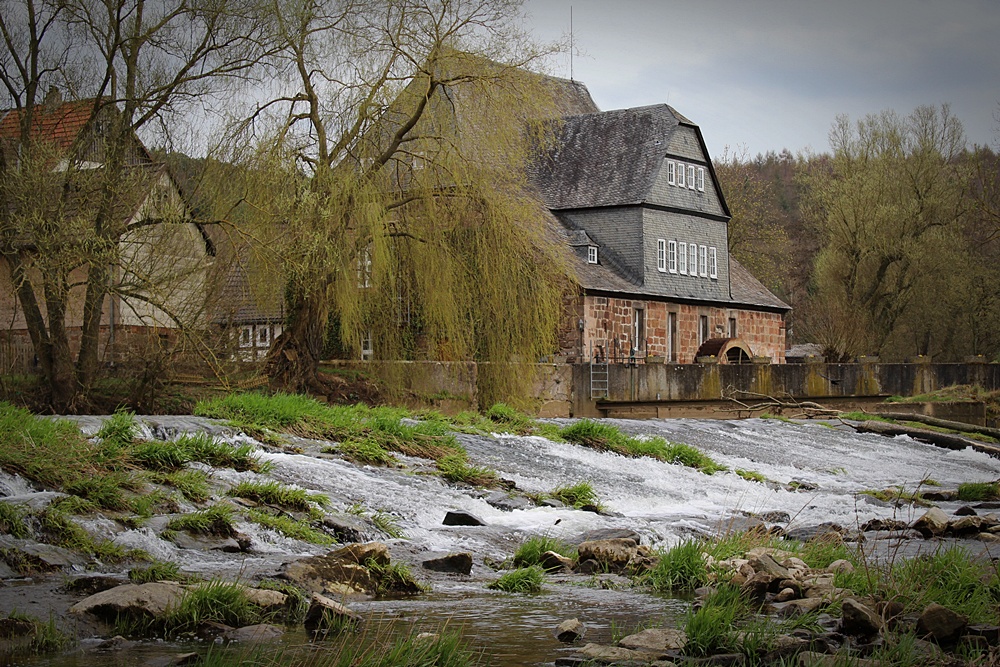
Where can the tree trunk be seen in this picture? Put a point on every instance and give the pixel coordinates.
(93, 309)
(293, 361)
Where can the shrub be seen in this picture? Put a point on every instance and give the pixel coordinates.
(521, 580)
(530, 551)
(680, 568)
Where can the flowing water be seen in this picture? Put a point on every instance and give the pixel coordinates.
(663, 503)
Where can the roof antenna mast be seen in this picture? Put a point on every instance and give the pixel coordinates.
(571, 42)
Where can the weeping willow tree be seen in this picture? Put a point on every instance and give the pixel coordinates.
(393, 187)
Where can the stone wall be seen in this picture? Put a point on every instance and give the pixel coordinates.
(609, 320)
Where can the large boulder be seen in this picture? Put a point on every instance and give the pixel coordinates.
(614, 554)
(462, 518)
(132, 600)
(362, 553)
(329, 574)
(656, 640)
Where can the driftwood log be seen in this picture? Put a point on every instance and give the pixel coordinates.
(947, 440)
(941, 423)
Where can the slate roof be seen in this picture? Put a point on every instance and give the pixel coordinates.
(608, 158)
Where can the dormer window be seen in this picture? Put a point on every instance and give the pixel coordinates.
(671, 172)
(691, 177)
(680, 176)
(592, 254)
(701, 179)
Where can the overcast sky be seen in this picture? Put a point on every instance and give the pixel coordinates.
(773, 74)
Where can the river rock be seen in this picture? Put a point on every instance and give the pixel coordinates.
(27, 556)
(327, 574)
(132, 600)
(965, 510)
(462, 518)
(613, 554)
(934, 522)
(552, 561)
(361, 553)
(607, 655)
(325, 614)
(15, 627)
(656, 640)
(941, 624)
(858, 619)
(457, 563)
(262, 632)
(345, 527)
(759, 585)
(825, 530)
(796, 607)
(90, 584)
(606, 534)
(570, 631)
(884, 525)
(991, 633)
(840, 566)
(967, 525)
(766, 563)
(508, 503)
(269, 601)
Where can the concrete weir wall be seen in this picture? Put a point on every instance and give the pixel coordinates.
(662, 390)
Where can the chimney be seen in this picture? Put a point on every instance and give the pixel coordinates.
(53, 98)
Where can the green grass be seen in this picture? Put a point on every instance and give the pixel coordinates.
(456, 468)
(280, 495)
(215, 520)
(156, 571)
(394, 578)
(751, 475)
(530, 551)
(192, 484)
(508, 419)
(289, 527)
(46, 637)
(56, 527)
(214, 601)
(710, 629)
(605, 437)
(898, 495)
(117, 434)
(203, 448)
(365, 451)
(680, 568)
(521, 580)
(388, 524)
(13, 520)
(577, 495)
(978, 491)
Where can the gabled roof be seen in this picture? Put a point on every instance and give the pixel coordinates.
(609, 158)
(60, 125)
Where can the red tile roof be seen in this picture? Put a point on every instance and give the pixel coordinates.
(61, 125)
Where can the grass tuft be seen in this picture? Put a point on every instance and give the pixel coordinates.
(605, 437)
(521, 580)
(680, 568)
(530, 551)
(215, 520)
(289, 527)
(978, 491)
(280, 495)
(577, 495)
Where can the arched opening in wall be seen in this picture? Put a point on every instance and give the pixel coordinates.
(726, 350)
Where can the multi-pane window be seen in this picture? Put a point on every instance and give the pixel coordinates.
(701, 179)
(683, 257)
(713, 263)
(688, 259)
(691, 177)
(687, 176)
(672, 257)
(592, 254)
(680, 176)
(671, 172)
(702, 329)
(661, 255)
(703, 261)
(692, 259)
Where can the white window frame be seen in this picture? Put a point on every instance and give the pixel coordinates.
(680, 175)
(672, 256)
(366, 345)
(683, 264)
(661, 255)
(691, 177)
(701, 179)
(263, 338)
(246, 335)
(693, 259)
(671, 172)
(592, 254)
(713, 263)
(703, 261)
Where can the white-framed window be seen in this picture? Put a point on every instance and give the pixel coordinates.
(680, 175)
(701, 179)
(365, 268)
(672, 256)
(691, 177)
(703, 261)
(246, 336)
(713, 263)
(592, 254)
(671, 172)
(692, 259)
(263, 336)
(661, 255)
(366, 345)
(683, 257)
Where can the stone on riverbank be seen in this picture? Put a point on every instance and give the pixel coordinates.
(132, 600)
(325, 614)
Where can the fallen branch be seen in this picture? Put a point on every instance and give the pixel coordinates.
(946, 440)
(941, 423)
(766, 403)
